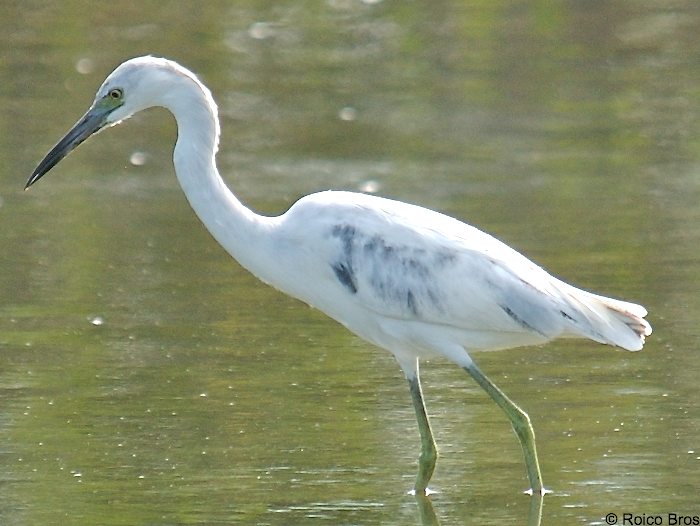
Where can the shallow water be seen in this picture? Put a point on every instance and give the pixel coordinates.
(145, 378)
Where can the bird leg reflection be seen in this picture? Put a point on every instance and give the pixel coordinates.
(428, 517)
(521, 424)
(534, 516)
(428, 450)
(426, 512)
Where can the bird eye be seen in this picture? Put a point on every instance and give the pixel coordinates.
(115, 93)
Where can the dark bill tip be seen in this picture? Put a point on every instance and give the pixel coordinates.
(90, 123)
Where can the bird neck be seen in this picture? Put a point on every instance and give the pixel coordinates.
(237, 228)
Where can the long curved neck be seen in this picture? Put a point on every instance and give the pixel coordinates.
(240, 231)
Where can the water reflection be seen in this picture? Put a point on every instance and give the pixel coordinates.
(534, 515)
(426, 513)
(428, 516)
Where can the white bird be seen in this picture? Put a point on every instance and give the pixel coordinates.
(410, 280)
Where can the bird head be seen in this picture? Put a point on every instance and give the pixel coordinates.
(135, 85)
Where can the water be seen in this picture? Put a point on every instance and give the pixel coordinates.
(146, 379)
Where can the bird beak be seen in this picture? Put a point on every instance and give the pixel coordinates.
(93, 121)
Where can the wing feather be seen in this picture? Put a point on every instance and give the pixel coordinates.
(409, 263)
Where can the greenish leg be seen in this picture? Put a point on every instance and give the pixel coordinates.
(428, 450)
(521, 425)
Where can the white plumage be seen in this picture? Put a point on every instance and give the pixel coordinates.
(405, 278)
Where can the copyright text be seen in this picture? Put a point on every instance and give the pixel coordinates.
(647, 519)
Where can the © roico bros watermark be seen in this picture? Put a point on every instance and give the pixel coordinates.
(650, 519)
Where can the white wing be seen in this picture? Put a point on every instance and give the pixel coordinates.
(409, 263)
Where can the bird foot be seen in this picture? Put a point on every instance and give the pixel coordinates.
(540, 492)
(422, 492)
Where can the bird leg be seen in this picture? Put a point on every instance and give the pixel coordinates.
(521, 424)
(428, 450)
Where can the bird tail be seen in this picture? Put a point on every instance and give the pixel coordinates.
(608, 320)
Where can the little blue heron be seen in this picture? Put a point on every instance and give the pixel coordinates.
(410, 280)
